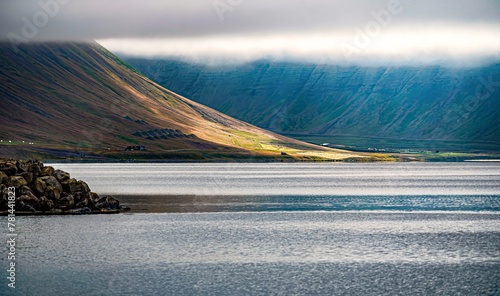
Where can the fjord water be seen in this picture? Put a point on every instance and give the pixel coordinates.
(273, 229)
(302, 186)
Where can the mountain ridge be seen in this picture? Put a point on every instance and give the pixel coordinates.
(81, 98)
(417, 103)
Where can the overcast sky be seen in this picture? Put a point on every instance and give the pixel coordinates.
(347, 31)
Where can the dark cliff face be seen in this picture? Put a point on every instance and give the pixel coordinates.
(418, 103)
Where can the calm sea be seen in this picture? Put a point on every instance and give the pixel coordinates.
(272, 229)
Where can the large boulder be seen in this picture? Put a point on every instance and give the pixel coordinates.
(94, 197)
(67, 201)
(61, 176)
(23, 166)
(17, 182)
(4, 179)
(108, 203)
(52, 181)
(8, 167)
(45, 203)
(52, 192)
(73, 186)
(23, 190)
(28, 177)
(36, 169)
(87, 202)
(39, 186)
(29, 199)
(79, 196)
(84, 186)
(47, 171)
(28, 195)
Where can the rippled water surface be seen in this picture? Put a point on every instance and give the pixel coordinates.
(273, 229)
(266, 253)
(297, 187)
(291, 179)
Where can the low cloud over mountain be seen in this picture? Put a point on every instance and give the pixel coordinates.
(340, 32)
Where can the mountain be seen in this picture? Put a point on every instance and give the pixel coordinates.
(63, 100)
(413, 106)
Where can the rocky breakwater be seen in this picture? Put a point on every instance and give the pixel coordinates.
(42, 189)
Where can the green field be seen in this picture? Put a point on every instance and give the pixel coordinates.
(400, 145)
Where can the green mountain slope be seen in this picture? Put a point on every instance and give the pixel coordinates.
(415, 104)
(60, 100)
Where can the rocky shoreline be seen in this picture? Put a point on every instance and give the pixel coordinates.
(43, 190)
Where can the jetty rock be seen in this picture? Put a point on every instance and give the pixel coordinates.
(41, 189)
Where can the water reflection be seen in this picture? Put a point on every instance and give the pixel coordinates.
(207, 203)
